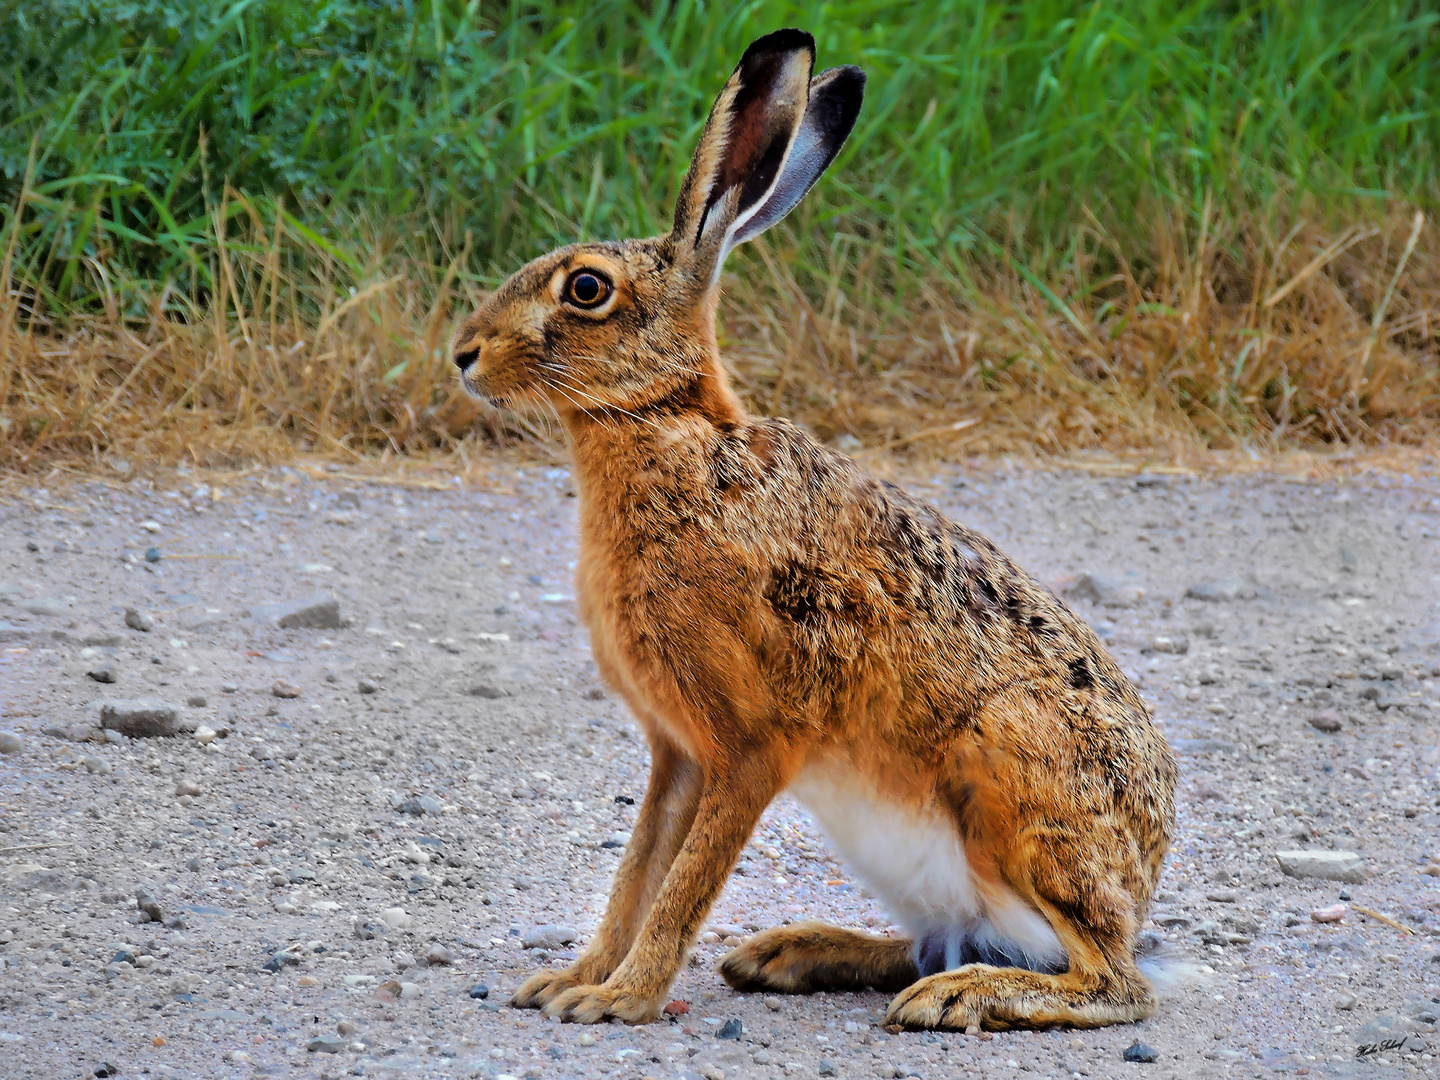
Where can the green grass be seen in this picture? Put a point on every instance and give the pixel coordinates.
(993, 133)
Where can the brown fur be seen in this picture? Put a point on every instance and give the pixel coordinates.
(765, 606)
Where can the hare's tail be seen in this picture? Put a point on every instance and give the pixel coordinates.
(1168, 972)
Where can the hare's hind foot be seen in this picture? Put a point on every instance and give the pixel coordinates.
(980, 997)
(811, 956)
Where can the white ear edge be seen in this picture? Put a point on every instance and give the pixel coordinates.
(816, 141)
(736, 233)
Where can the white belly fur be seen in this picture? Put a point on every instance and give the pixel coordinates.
(914, 862)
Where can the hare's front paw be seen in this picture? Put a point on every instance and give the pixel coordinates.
(593, 1004)
(539, 990)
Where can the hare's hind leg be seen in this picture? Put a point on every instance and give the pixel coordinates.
(1080, 889)
(811, 956)
(661, 827)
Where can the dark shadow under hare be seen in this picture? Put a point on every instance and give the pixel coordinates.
(780, 620)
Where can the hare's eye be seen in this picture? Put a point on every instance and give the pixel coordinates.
(587, 289)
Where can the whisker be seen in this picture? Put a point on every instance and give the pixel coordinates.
(577, 404)
(670, 364)
(606, 405)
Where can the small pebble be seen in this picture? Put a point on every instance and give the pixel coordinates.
(1345, 1001)
(308, 980)
(102, 673)
(197, 701)
(676, 1008)
(97, 765)
(1139, 1052)
(439, 954)
(10, 743)
(139, 620)
(187, 787)
(409, 991)
(1326, 720)
(587, 1039)
(774, 1004)
(395, 918)
(368, 686)
(827, 1067)
(731, 1029)
(1332, 914)
(480, 992)
(205, 735)
(286, 690)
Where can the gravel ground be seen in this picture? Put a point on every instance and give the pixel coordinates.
(359, 826)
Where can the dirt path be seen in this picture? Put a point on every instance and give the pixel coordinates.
(450, 752)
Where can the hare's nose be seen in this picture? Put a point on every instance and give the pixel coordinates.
(466, 357)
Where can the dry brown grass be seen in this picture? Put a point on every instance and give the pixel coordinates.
(1237, 341)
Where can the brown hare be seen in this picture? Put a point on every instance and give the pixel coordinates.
(779, 620)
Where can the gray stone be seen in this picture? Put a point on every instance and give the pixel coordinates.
(439, 954)
(97, 765)
(1326, 720)
(208, 620)
(103, 673)
(420, 804)
(197, 701)
(1140, 1052)
(286, 690)
(87, 636)
(488, 690)
(326, 1044)
(319, 611)
(731, 1029)
(1387, 1028)
(141, 719)
(1218, 591)
(1326, 865)
(10, 743)
(139, 620)
(45, 605)
(368, 686)
(1106, 592)
(1174, 644)
(222, 1014)
(548, 936)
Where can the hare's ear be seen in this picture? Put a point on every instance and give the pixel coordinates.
(743, 151)
(835, 97)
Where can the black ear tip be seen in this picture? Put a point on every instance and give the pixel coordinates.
(789, 39)
(847, 80)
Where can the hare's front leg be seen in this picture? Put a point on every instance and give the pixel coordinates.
(736, 791)
(663, 823)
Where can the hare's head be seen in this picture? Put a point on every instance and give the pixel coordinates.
(613, 328)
